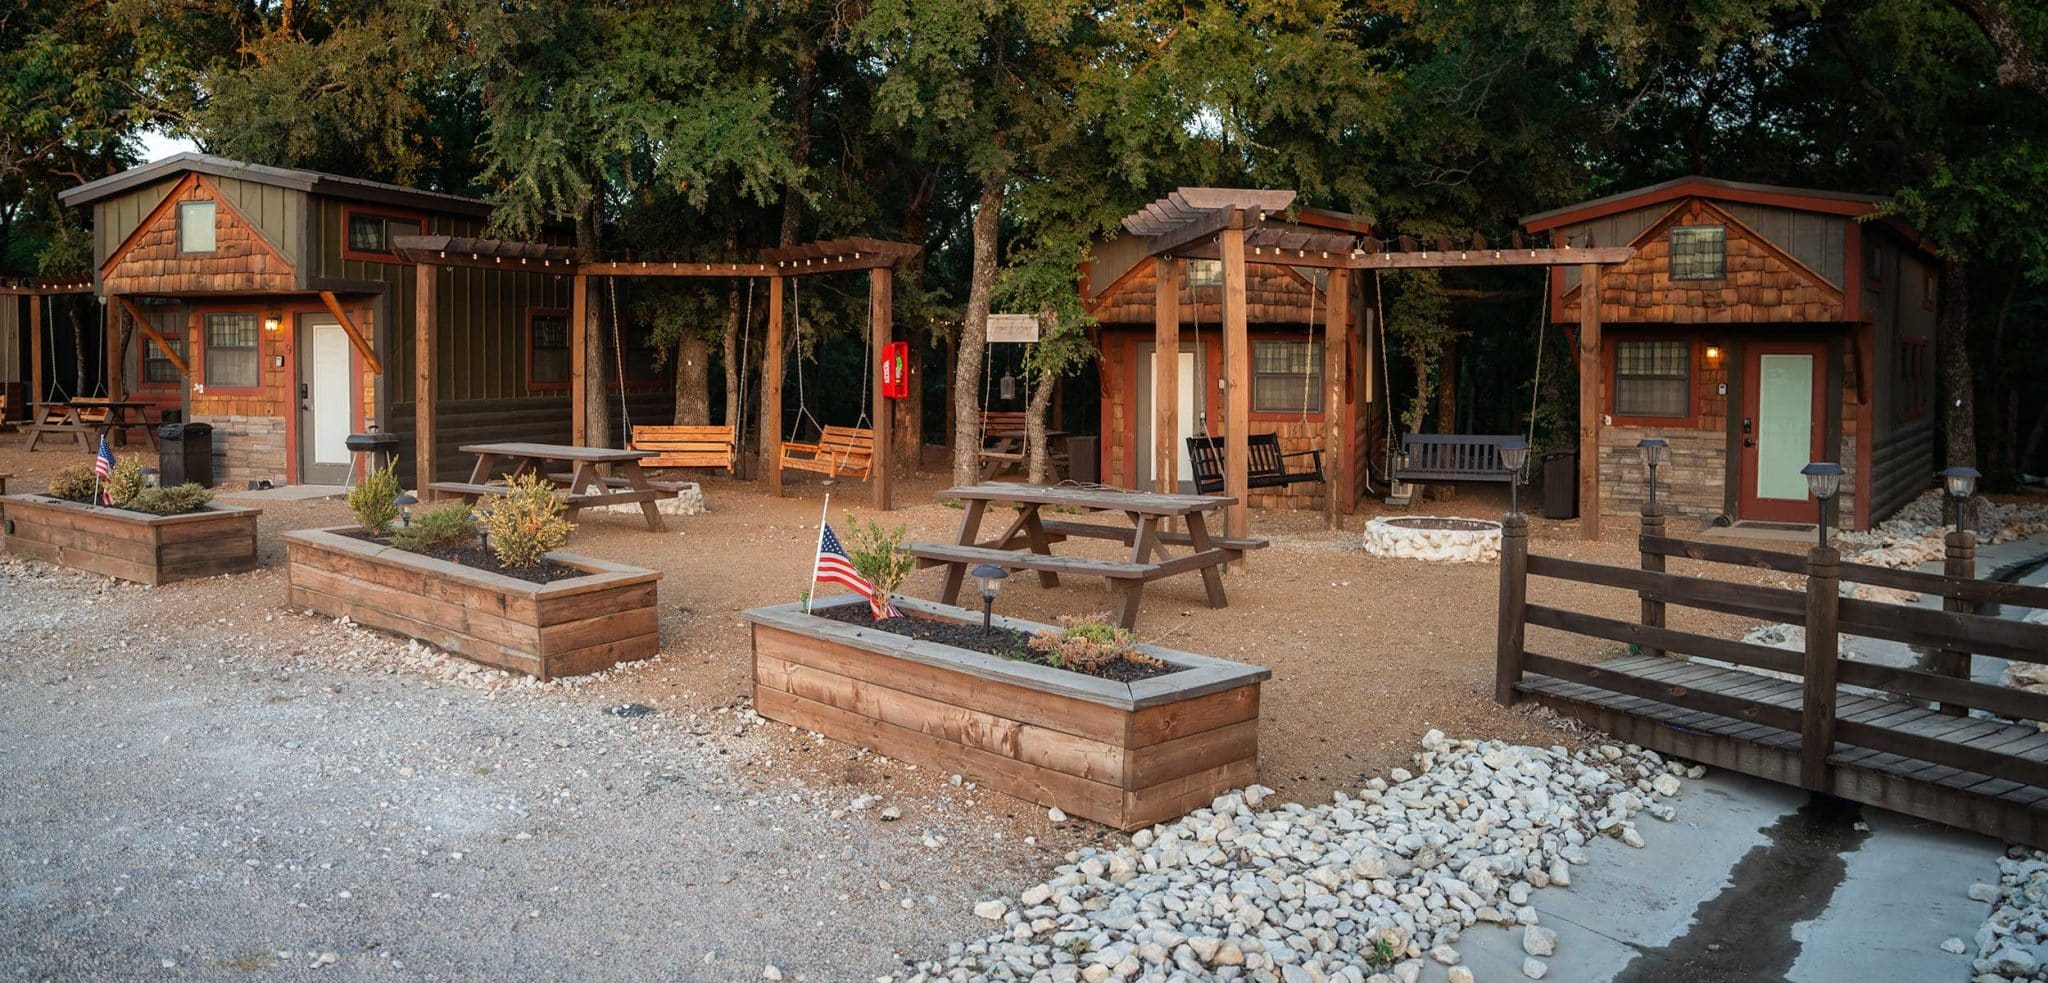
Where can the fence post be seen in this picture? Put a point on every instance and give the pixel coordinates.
(1514, 598)
(1653, 611)
(1823, 647)
(1960, 564)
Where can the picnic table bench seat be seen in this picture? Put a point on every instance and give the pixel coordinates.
(469, 491)
(936, 554)
(838, 452)
(1062, 528)
(685, 446)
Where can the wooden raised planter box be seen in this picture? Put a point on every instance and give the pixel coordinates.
(137, 546)
(1123, 754)
(565, 628)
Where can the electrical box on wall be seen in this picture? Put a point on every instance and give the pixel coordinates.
(277, 361)
(1721, 389)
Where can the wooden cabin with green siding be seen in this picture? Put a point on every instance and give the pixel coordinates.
(270, 303)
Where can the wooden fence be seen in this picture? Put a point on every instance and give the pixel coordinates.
(1827, 723)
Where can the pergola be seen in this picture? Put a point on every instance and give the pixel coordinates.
(37, 289)
(880, 258)
(1224, 223)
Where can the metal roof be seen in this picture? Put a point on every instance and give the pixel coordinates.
(317, 182)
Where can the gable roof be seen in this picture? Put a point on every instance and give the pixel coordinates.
(1802, 199)
(317, 182)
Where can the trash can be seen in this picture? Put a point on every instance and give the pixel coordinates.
(185, 454)
(1084, 459)
(1561, 485)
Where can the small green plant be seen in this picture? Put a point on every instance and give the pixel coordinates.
(175, 500)
(1383, 953)
(75, 483)
(877, 554)
(449, 525)
(375, 500)
(1088, 645)
(124, 483)
(526, 523)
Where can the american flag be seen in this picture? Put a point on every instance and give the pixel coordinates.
(835, 566)
(102, 466)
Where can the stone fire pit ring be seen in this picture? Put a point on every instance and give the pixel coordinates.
(1439, 539)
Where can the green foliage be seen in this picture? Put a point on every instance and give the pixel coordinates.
(526, 523)
(877, 554)
(175, 500)
(449, 525)
(124, 482)
(374, 500)
(73, 482)
(1418, 320)
(1088, 645)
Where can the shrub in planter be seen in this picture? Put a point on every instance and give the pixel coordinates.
(124, 483)
(450, 525)
(176, 500)
(375, 501)
(877, 555)
(74, 483)
(1089, 645)
(526, 523)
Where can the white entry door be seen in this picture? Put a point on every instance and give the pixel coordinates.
(1184, 400)
(324, 394)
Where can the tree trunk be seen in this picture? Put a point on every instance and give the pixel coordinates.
(1040, 469)
(907, 415)
(1959, 401)
(974, 333)
(729, 353)
(1447, 389)
(693, 378)
(801, 96)
(597, 418)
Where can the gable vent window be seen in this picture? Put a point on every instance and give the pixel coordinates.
(195, 227)
(1205, 273)
(1699, 252)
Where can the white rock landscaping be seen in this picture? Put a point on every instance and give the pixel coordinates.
(1441, 540)
(1362, 889)
(2012, 944)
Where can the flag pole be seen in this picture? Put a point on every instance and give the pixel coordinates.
(811, 596)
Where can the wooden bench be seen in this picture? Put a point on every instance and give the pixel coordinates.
(470, 491)
(685, 446)
(838, 452)
(1266, 465)
(1059, 529)
(1128, 579)
(1438, 457)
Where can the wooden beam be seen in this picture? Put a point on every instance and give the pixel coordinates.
(1237, 399)
(1196, 231)
(1336, 434)
(881, 315)
(425, 286)
(1166, 436)
(771, 391)
(149, 331)
(348, 327)
(1589, 401)
(1426, 259)
(112, 318)
(579, 336)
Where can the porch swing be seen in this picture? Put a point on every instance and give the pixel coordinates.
(684, 445)
(1265, 463)
(839, 451)
(1444, 458)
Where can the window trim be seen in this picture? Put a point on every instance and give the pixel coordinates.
(1319, 389)
(526, 347)
(144, 345)
(1691, 418)
(214, 203)
(1671, 254)
(349, 212)
(205, 351)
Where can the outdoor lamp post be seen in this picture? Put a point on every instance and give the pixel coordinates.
(1513, 455)
(1823, 480)
(1655, 451)
(1960, 482)
(990, 577)
(405, 503)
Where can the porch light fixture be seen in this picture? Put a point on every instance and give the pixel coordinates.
(1655, 452)
(1823, 480)
(1513, 455)
(990, 578)
(1960, 482)
(1713, 353)
(273, 322)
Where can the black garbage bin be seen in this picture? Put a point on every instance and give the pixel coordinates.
(185, 454)
(1561, 485)
(1084, 459)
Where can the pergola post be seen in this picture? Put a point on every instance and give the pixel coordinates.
(1336, 428)
(771, 391)
(579, 381)
(1589, 401)
(1237, 400)
(111, 314)
(881, 312)
(1166, 277)
(35, 358)
(426, 284)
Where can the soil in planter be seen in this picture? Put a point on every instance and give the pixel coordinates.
(474, 555)
(1002, 642)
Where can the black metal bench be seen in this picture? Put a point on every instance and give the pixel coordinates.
(1266, 465)
(1438, 457)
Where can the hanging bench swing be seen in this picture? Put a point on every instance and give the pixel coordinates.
(838, 452)
(1438, 458)
(1265, 463)
(687, 445)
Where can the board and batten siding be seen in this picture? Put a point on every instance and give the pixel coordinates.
(117, 218)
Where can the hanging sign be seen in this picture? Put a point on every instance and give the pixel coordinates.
(1013, 327)
(896, 370)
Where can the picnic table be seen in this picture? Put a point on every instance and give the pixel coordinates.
(93, 416)
(1026, 544)
(1006, 451)
(596, 476)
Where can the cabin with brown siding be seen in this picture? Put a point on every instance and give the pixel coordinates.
(277, 310)
(1756, 329)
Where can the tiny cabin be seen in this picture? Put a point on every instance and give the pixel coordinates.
(1757, 329)
(271, 303)
(1287, 313)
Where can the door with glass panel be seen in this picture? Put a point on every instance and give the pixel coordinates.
(324, 391)
(1187, 382)
(1783, 420)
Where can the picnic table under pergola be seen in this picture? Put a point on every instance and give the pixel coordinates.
(597, 476)
(86, 417)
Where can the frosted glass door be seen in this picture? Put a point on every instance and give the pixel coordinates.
(1784, 440)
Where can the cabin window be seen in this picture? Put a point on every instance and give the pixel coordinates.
(547, 341)
(1699, 252)
(372, 233)
(1205, 273)
(231, 359)
(1653, 378)
(1915, 388)
(157, 367)
(1287, 377)
(195, 227)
